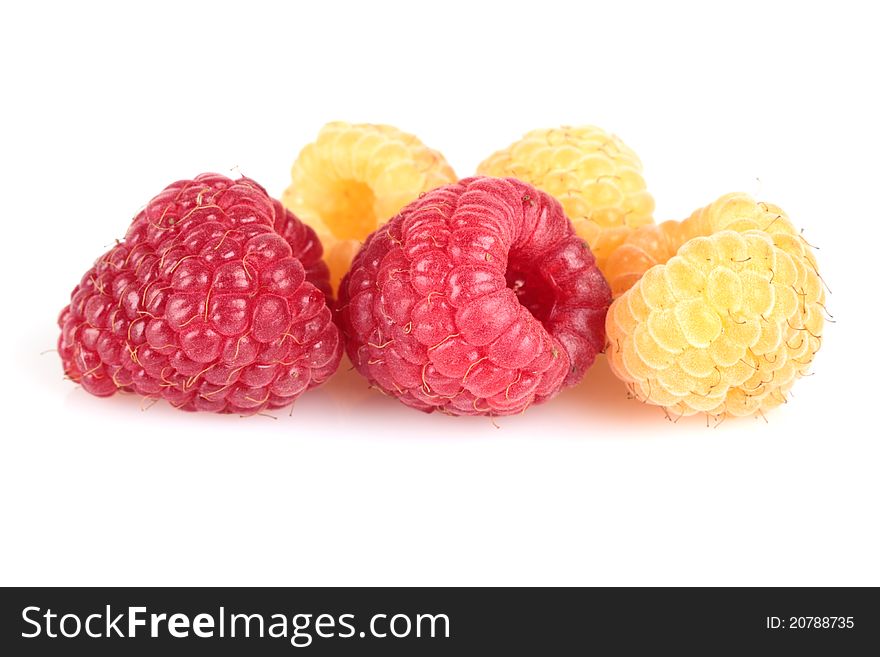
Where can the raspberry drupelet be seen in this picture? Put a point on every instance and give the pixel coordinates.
(476, 299)
(216, 300)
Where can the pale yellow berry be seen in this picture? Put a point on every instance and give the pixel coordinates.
(596, 177)
(725, 310)
(355, 177)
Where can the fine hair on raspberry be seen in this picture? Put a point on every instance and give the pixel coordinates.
(478, 298)
(216, 300)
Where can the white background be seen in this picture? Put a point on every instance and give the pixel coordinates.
(103, 105)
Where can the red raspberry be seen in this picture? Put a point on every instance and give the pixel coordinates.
(477, 299)
(215, 301)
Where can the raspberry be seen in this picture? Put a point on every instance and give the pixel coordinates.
(353, 178)
(596, 177)
(727, 324)
(215, 301)
(644, 247)
(477, 299)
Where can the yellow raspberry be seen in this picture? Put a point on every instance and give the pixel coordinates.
(596, 177)
(728, 323)
(355, 177)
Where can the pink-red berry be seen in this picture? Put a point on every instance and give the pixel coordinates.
(216, 300)
(478, 298)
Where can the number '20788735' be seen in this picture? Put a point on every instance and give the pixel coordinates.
(810, 623)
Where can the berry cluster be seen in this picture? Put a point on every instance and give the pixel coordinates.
(477, 297)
